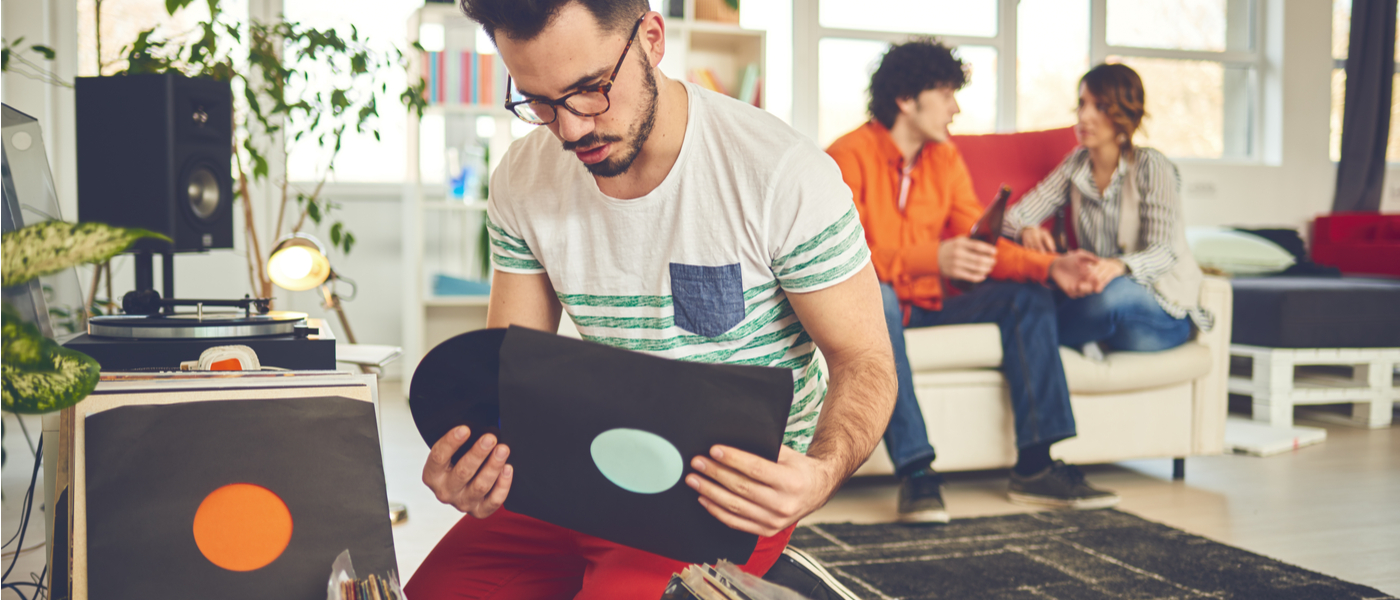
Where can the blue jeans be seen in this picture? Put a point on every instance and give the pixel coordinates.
(1125, 316)
(1025, 313)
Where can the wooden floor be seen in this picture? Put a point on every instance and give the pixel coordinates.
(1332, 508)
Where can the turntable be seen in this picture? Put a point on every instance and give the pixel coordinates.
(155, 334)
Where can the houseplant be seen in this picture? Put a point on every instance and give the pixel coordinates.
(39, 376)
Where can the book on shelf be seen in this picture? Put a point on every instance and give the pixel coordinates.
(707, 79)
(749, 89)
(462, 78)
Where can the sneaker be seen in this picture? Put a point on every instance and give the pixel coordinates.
(1059, 485)
(798, 571)
(921, 498)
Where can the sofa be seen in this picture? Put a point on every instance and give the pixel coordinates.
(1358, 243)
(1130, 405)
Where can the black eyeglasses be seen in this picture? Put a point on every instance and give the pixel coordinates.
(589, 101)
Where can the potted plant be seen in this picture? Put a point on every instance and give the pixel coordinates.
(39, 376)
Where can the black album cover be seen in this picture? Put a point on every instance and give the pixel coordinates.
(233, 499)
(562, 398)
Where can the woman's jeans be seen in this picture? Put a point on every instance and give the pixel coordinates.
(1025, 314)
(1125, 316)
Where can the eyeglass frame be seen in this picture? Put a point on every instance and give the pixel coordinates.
(603, 88)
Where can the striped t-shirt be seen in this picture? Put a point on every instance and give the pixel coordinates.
(1159, 185)
(699, 268)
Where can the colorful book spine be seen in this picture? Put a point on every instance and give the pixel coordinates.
(463, 78)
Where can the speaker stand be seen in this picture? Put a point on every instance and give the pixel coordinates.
(145, 274)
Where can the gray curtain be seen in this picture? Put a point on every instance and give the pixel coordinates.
(1366, 120)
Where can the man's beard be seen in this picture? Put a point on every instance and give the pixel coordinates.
(622, 160)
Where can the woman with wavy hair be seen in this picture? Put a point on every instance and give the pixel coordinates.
(1124, 206)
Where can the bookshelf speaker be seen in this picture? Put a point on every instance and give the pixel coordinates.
(154, 152)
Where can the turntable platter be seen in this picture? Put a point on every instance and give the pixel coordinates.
(194, 326)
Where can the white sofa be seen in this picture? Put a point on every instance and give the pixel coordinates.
(1132, 405)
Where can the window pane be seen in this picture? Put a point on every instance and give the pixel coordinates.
(843, 83)
(1052, 53)
(1185, 106)
(123, 20)
(947, 17)
(1339, 94)
(1341, 28)
(1206, 25)
(978, 100)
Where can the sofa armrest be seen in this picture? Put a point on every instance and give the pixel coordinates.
(1210, 401)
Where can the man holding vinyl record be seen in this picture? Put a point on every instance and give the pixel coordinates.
(674, 221)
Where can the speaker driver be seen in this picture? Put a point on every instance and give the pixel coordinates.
(203, 192)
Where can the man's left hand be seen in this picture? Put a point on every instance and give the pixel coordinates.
(754, 495)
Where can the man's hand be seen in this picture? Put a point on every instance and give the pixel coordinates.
(1074, 273)
(1038, 239)
(479, 483)
(1106, 271)
(760, 497)
(966, 259)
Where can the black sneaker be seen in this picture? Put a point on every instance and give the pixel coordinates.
(799, 572)
(1059, 485)
(921, 498)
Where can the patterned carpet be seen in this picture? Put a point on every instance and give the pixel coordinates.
(1067, 555)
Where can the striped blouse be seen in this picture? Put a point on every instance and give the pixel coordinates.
(1159, 182)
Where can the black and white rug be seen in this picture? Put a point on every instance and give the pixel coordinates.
(1067, 555)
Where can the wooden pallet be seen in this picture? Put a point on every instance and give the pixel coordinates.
(1277, 384)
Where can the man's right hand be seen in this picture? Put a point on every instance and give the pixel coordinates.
(966, 259)
(479, 483)
(1038, 239)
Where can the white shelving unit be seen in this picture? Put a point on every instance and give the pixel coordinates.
(440, 233)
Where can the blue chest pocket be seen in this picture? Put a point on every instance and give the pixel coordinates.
(707, 300)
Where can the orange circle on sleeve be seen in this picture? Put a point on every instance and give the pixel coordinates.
(242, 527)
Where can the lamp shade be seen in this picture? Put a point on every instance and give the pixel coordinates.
(298, 263)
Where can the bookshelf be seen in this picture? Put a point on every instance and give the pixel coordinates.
(441, 230)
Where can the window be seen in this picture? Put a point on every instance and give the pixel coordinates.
(1200, 61)
(1341, 39)
(851, 36)
(123, 20)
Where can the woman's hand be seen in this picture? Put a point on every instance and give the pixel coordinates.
(1038, 239)
(1106, 271)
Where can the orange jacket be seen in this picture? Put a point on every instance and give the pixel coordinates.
(940, 205)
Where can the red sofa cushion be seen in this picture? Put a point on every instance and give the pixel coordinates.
(1019, 160)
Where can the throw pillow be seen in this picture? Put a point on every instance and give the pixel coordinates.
(1235, 252)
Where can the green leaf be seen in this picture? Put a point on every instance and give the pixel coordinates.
(44, 50)
(313, 210)
(52, 246)
(335, 233)
(348, 242)
(39, 376)
(173, 5)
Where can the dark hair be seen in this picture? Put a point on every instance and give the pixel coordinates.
(525, 19)
(1121, 98)
(908, 69)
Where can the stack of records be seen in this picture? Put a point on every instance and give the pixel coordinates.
(723, 582)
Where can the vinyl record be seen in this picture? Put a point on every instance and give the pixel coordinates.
(457, 384)
(233, 499)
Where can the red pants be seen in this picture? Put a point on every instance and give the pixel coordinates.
(508, 555)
